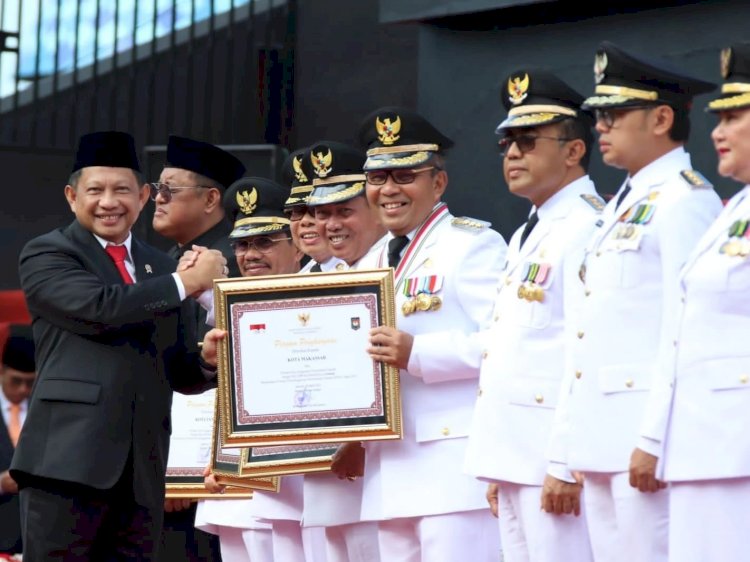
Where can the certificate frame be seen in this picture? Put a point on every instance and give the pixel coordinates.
(186, 482)
(293, 314)
(225, 464)
(285, 460)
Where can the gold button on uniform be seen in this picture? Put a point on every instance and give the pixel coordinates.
(580, 335)
(744, 379)
(578, 374)
(446, 431)
(539, 398)
(340, 266)
(629, 383)
(497, 317)
(587, 292)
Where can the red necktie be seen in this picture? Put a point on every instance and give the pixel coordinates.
(118, 255)
(14, 427)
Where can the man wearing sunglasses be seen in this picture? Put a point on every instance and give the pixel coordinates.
(309, 235)
(545, 142)
(630, 272)
(188, 211)
(188, 197)
(446, 270)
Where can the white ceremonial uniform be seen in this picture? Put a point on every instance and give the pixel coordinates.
(520, 379)
(701, 405)
(336, 504)
(630, 262)
(416, 487)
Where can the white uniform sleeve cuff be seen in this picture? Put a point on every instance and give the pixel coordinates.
(180, 286)
(650, 446)
(560, 471)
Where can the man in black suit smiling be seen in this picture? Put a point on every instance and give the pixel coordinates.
(110, 347)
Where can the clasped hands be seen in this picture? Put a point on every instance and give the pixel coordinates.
(198, 268)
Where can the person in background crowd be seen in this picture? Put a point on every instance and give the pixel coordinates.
(17, 375)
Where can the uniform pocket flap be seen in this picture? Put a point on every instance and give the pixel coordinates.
(625, 378)
(448, 424)
(725, 373)
(64, 390)
(533, 391)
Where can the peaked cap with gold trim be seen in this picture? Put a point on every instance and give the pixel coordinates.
(535, 97)
(396, 137)
(297, 173)
(256, 206)
(337, 173)
(735, 69)
(626, 80)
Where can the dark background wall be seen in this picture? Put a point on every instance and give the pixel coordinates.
(313, 68)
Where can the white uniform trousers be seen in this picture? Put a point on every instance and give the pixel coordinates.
(625, 524)
(451, 537)
(529, 534)
(709, 521)
(355, 542)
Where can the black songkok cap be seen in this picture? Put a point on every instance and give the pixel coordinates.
(18, 353)
(337, 173)
(396, 137)
(113, 149)
(535, 97)
(256, 206)
(204, 159)
(735, 69)
(623, 80)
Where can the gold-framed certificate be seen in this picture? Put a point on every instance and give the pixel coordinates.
(294, 367)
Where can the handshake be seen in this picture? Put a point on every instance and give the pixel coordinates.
(198, 268)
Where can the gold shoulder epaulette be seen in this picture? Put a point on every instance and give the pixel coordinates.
(467, 223)
(594, 200)
(695, 179)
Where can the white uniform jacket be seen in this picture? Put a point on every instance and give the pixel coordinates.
(459, 262)
(631, 260)
(702, 402)
(520, 378)
(329, 501)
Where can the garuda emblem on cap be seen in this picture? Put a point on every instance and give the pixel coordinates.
(726, 59)
(600, 65)
(518, 89)
(322, 163)
(247, 202)
(298, 173)
(388, 132)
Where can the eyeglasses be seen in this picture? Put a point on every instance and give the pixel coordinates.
(262, 244)
(608, 117)
(296, 213)
(525, 143)
(167, 191)
(400, 176)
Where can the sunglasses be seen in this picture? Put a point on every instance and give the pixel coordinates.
(296, 213)
(399, 175)
(167, 191)
(262, 244)
(525, 143)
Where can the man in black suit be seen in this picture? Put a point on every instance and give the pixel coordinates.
(189, 211)
(17, 374)
(110, 347)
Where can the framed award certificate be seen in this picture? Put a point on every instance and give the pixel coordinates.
(287, 459)
(190, 448)
(294, 367)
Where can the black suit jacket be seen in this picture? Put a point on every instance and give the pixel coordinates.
(10, 518)
(107, 357)
(215, 238)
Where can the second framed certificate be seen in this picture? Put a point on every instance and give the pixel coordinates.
(295, 369)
